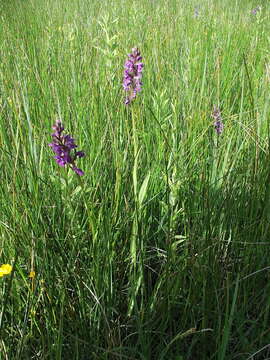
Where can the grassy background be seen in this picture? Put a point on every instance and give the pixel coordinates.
(161, 250)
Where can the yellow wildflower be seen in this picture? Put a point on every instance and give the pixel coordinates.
(32, 274)
(5, 269)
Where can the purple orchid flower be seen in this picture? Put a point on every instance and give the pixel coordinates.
(218, 124)
(132, 75)
(64, 148)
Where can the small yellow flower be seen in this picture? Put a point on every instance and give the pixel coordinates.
(32, 274)
(5, 269)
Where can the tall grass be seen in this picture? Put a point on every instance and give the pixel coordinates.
(161, 250)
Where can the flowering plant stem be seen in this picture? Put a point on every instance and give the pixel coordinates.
(135, 244)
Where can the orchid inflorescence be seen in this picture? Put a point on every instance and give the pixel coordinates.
(64, 148)
(218, 124)
(132, 75)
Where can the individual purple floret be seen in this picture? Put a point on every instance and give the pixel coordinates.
(132, 75)
(64, 148)
(218, 124)
(256, 10)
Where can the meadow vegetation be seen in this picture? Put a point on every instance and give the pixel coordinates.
(161, 249)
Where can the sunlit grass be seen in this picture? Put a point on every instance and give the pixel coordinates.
(161, 249)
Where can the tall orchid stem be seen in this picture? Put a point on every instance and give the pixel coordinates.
(135, 245)
(135, 152)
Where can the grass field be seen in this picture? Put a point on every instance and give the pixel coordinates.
(161, 249)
